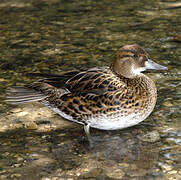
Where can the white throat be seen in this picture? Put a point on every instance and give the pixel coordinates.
(138, 70)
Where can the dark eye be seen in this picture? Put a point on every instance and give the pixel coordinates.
(135, 56)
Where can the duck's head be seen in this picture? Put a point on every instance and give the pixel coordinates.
(131, 60)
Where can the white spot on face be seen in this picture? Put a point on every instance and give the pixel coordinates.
(137, 71)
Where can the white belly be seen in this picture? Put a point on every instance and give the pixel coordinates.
(113, 123)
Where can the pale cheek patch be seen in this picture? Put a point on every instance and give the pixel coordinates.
(138, 70)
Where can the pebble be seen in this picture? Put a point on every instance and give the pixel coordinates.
(56, 178)
(16, 175)
(3, 177)
(152, 137)
(2, 171)
(31, 126)
(137, 173)
(19, 159)
(16, 110)
(45, 178)
(3, 128)
(2, 80)
(115, 173)
(17, 165)
(59, 171)
(167, 104)
(125, 165)
(172, 172)
(20, 114)
(170, 141)
(92, 174)
(166, 167)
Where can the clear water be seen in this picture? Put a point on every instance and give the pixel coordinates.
(53, 36)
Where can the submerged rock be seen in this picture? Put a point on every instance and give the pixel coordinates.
(152, 136)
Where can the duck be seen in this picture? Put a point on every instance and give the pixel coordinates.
(107, 98)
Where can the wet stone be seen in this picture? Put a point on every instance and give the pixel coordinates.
(172, 172)
(151, 137)
(21, 114)
(45, 178)
(31, 126)
(123, 165)
(176, 38)
(170, 141)
(137, 173)
(92, 174)
(3, 177)
(166, 167)
(59, 172)
(16, 175)
(167, 104)
(115, 173)
(16, 110)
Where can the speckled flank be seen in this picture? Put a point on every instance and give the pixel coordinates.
(121, 102)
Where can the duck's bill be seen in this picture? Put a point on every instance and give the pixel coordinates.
(152, 65)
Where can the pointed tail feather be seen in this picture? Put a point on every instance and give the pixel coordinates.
(20, 95)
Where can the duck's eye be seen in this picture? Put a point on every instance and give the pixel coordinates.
(135, 56)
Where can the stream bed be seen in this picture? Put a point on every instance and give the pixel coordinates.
(55, 36)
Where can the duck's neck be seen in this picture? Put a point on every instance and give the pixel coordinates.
(147, 82)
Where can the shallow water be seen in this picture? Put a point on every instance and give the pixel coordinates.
(53, 36)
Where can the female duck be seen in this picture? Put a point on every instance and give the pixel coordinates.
(107, 98)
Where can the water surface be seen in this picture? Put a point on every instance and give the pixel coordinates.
(54, 36)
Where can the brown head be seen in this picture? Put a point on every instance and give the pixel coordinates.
(131, 60)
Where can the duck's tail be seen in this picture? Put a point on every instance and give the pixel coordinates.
(20, 95)
(50, 86)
